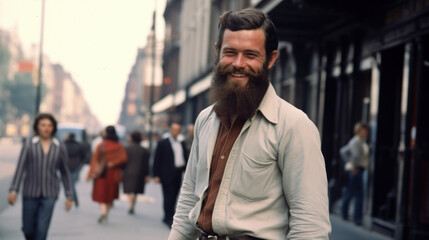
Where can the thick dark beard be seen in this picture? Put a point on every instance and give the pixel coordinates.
(232, 99)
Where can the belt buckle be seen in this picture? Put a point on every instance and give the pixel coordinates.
(212, 237)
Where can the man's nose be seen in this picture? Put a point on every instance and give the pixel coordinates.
(239, 61)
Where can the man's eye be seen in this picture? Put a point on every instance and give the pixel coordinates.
(229, 53)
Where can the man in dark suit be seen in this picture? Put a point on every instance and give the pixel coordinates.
(168, 167)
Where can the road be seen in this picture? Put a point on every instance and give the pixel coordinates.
(8, 157)
(81, 223)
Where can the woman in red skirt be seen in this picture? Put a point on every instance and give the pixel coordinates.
(106, 183)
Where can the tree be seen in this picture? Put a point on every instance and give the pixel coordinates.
(22, 94)
(4, 64)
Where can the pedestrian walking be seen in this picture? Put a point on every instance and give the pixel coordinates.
(136, 170)
(76, 158)
(42, 156)
(105, 170)
(255, 170)
(356, 155)
(168, 167)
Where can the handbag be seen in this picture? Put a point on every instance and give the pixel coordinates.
(101, 167)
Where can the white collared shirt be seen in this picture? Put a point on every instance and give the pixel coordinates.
(179, 160)
(275, 171)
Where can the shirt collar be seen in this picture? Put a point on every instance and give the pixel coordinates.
(172, 139)
(269, 105)
(36, 139)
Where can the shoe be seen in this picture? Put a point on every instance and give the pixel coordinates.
(102, 218)
(168, 223)
(131, 211)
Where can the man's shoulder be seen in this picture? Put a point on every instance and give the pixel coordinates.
(206, 112)
(290, 112)
(355, 140)
(135, 148)
(204, 115)
(164, 141)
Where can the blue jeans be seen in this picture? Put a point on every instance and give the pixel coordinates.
(354, 190)
(36, 217)
(75, 177)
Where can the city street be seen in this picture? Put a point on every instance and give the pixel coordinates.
(81, 222)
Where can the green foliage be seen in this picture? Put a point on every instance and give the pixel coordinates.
(4, 55)
(4, 63)
(22, 94)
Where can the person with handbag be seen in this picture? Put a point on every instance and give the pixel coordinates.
(105, 170)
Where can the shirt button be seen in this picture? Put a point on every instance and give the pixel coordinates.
(222, 157)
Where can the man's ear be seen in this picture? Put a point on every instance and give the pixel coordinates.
(273, 58)
(216, 48)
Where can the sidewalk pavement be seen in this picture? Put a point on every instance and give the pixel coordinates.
(342, 230)
(81, 223)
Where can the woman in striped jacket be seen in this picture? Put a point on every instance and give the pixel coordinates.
(40, 159)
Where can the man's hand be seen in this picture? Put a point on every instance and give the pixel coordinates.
(157, 179)
(11, 198)
(69, 204)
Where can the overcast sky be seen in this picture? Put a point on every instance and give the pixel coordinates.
(95, 40)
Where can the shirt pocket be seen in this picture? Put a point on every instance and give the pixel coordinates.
(256, 177)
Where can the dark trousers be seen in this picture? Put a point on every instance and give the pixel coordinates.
(36, 217)
(354, 190)
(170, 192)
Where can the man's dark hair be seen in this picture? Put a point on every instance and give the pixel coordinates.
(72, 136)
(174, 122)
(360, 125)
(136, 137)
(249, 19)
(44, 116)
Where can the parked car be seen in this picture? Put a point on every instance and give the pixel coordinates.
(81, 136)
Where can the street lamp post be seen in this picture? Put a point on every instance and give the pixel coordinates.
(152, 90)
(39, 75)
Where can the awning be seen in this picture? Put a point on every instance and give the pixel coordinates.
(200, 86)
(163, 104)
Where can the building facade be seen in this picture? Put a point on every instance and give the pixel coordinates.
(364, 61)
(142, 89)
(61, 94)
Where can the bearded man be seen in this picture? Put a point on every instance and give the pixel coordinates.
(255, 170)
